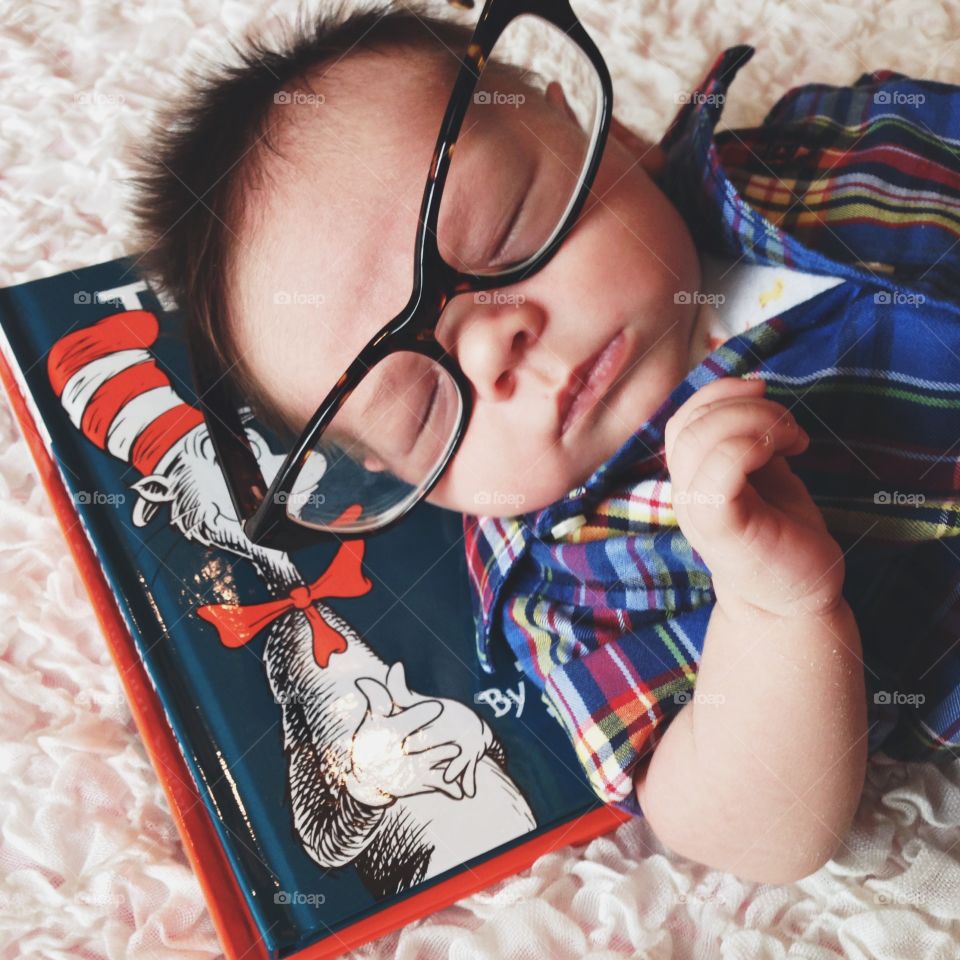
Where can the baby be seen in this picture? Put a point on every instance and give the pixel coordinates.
(665, 537)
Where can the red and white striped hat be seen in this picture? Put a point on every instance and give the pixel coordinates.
(114, 392)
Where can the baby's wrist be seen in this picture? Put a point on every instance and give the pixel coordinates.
(740, 605)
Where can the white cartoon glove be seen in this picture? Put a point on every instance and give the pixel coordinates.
(402, 744)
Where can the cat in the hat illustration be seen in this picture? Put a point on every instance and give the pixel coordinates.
(400, 784)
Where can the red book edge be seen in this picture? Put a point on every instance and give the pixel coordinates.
(232, 919)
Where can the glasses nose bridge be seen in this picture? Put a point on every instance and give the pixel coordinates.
(457, 307)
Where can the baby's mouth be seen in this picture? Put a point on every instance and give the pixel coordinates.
(590, 381)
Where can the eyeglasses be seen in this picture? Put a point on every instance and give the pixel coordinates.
(512, 167)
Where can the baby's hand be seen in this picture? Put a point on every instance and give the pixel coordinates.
(743, 509)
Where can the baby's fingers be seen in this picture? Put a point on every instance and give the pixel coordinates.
(724, 388)
(727, 513)
(770, 425)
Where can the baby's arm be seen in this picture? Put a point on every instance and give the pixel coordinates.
(761, 772)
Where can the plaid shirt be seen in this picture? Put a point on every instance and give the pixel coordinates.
(600, 597)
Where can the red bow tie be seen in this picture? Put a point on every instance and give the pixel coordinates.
(238, 623)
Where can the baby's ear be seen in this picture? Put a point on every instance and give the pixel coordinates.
(554, 95)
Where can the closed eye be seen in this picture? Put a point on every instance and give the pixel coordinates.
(507, 234)
(428, 409)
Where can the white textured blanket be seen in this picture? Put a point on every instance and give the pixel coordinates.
(90, 864)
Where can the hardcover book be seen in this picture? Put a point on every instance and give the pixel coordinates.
(336, 760)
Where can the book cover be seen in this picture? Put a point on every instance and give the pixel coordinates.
(337, 762)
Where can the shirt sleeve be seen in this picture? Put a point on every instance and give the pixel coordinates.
(615, 700)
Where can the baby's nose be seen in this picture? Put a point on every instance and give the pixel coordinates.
(496, 338)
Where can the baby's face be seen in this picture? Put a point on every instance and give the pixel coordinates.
(325, 258)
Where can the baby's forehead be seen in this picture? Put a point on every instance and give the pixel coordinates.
(326, 242)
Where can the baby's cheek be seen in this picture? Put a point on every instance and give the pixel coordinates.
(462, 483)
(489, 479)
(495, 479)
(648, 227)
